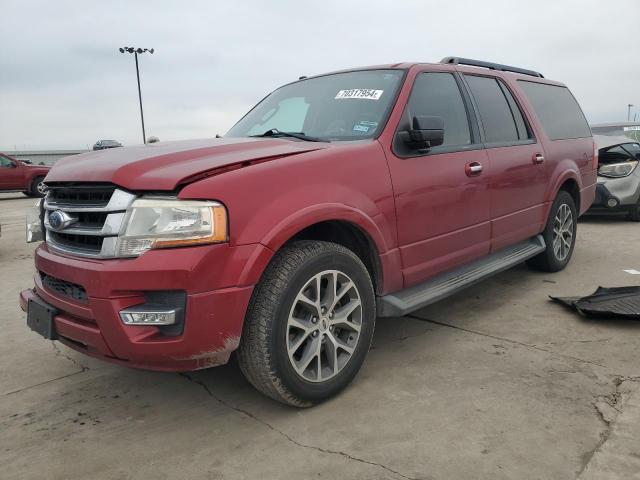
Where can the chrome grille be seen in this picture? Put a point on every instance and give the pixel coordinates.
(98, 196)
(97, 212)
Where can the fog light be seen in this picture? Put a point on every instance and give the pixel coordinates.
(164, 309)
(612, 202)
(146, 316)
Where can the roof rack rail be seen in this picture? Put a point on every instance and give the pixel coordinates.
(489, 65)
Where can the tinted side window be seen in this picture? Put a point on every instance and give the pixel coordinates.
(437, 94)
(633, 149)
(523, 131)
(557, 110)
(498, 119)
(5, 162)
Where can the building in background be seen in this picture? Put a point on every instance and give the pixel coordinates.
(42, 157)
(627, 129)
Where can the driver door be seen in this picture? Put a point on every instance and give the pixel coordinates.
(442, 204)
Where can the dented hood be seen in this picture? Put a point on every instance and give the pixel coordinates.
(165, 165)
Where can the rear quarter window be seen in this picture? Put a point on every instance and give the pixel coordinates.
(557, 110)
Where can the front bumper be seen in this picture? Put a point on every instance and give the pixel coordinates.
(617, 194)
(90, 323)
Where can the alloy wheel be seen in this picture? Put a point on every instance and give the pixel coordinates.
(563, 232)
(323, 327)
(42, 188)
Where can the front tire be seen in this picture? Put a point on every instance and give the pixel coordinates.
(634, 214)
(309, 324)
(559, 235)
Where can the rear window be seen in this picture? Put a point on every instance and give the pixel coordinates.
(557, 110)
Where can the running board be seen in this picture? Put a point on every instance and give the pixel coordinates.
(441, 286)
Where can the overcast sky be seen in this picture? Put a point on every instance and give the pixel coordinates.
(64, 84)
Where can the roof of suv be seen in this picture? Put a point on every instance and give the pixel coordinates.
(458, 63)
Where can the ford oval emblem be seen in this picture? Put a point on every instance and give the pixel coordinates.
(60, 220)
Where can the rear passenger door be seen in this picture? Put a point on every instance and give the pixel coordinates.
(442, 205)
(565, 133)
(518, 174)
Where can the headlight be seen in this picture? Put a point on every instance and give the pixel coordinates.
(163, 223)
(616, 170)
(34, 223)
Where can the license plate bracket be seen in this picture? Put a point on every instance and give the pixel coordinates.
(40, 317)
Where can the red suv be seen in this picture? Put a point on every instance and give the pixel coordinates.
(337, 199)
(19, 176)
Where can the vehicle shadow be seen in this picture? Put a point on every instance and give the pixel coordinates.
(227, 382)
(604, 218)
(227, 385)
(13, 196)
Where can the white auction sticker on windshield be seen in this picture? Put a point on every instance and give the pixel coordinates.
(362, 93)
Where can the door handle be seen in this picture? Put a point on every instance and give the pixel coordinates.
(538, 158)
(473, 169)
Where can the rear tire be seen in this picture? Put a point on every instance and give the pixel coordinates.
(37, 188)
(309, 324)
(559, 235)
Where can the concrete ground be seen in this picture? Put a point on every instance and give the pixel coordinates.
(494, 383)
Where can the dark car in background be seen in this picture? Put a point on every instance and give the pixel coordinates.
(104, 144)
(618, 187)
(18, 176)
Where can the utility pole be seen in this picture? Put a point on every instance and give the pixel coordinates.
(135, 52)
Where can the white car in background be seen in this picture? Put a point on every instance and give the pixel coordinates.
(618, 187)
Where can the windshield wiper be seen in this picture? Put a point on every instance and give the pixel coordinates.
(274, 132)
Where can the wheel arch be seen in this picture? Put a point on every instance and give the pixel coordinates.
(350, 236)
(570, 185)
(32, 180)
(340, 224)
(568, 179)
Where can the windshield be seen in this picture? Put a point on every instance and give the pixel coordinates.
(341, 106)
(633, 149)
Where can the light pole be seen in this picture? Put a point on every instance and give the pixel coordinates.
(135, 52)
(629, 112)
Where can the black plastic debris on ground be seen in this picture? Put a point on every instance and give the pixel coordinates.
(618, 302)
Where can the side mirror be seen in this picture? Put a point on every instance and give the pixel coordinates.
(12, 165)
(427, 132)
